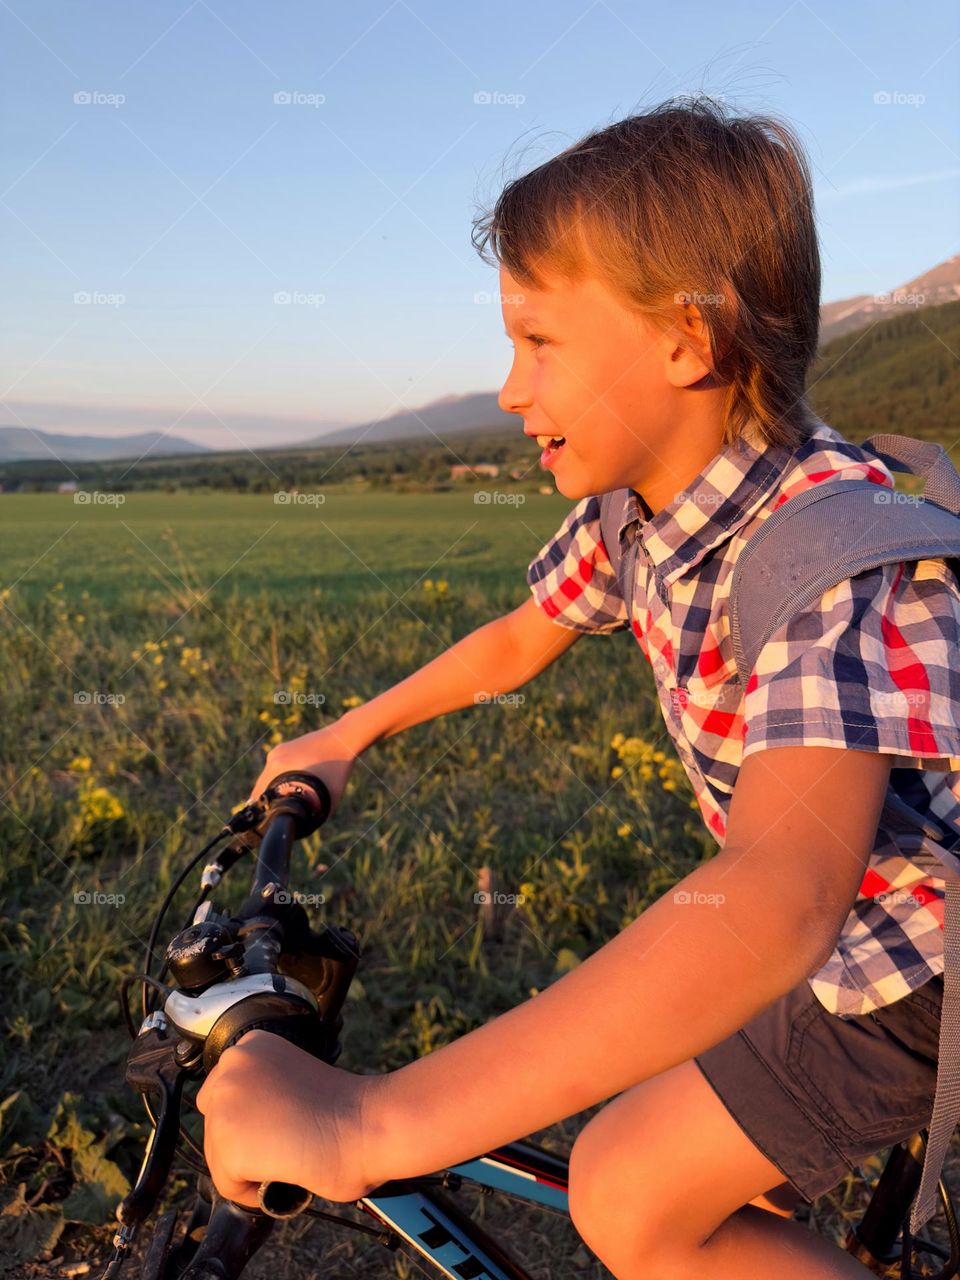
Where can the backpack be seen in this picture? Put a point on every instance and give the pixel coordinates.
(830, 532)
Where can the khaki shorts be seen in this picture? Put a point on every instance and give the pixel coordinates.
(818, 1093)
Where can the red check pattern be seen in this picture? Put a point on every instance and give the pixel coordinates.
(873, 664)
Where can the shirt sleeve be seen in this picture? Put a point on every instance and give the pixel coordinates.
(572, 579)
(871, 665)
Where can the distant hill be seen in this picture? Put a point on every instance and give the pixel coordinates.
(934, 288)
(21, 443)
(478, 411)
(890, 373)
(900, 375)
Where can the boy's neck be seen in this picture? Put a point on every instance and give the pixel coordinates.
(661, 485)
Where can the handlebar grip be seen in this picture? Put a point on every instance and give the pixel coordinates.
(283, 1199)
(297, 804)
(302, 794)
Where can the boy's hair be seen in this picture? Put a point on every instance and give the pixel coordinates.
(686, 201)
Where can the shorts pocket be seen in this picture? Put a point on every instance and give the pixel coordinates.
(866, 1084)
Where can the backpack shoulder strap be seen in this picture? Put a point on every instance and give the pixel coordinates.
(921, 458)
(611, 504)
(828, 533)
(611, 508)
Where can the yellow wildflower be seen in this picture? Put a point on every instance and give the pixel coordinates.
(97, 804)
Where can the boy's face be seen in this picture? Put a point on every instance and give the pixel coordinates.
(598, 374)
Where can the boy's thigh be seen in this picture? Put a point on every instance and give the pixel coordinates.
(670, 1150)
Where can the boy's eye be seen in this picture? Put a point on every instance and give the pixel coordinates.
(535, 339)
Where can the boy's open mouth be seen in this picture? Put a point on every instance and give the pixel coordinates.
(551, 446)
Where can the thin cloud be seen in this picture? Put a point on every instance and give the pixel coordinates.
(891, 182)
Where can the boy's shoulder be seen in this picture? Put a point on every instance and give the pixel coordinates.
(825, 455)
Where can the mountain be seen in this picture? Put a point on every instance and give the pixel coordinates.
(476, 411)
(939, 285)
(22, 443)
(899, 375)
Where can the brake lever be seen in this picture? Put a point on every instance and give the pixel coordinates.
(153, 1069)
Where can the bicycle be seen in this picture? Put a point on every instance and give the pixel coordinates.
(267, 968)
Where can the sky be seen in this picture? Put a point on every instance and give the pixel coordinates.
(243, 223)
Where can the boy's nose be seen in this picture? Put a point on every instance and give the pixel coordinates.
(513, 398)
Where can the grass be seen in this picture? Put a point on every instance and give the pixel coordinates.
(180, 618)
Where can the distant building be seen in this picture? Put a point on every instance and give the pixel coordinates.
(461, 471)
(67, 486)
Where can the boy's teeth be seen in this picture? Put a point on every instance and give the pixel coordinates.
(543, 441)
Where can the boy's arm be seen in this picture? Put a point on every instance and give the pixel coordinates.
(495, 658)
(756, 919)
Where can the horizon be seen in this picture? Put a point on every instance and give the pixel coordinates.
(228, 271)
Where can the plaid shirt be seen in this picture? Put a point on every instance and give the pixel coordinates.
(872, 664)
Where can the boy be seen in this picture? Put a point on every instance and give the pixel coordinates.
(773, 1020)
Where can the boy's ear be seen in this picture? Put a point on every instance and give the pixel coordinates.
(688, 354)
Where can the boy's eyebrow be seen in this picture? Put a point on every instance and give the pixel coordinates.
(530, 319)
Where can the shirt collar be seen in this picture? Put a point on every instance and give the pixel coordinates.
(726, 493)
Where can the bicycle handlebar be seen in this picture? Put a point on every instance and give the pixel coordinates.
(227, 981)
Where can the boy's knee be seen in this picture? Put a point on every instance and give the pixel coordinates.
(613, 1215)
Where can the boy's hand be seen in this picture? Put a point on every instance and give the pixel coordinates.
(274, 1112)
(329, 754)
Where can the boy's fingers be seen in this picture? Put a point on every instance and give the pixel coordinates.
(237, 1189)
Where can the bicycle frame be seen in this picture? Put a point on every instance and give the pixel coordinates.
(443, 1234)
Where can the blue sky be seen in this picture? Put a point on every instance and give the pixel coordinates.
(148, 165)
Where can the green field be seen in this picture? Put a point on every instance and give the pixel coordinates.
(184, 615)
(346, 548)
